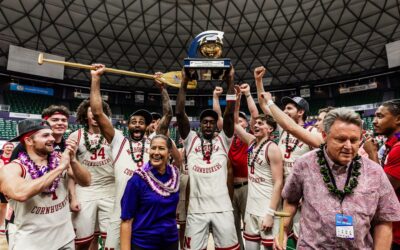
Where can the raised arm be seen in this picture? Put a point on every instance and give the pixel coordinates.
(245, 89)
(259, 73)
(17, 188)
(228, 125)
(216, 106)
(288, 124)
(96, 104)
(239, 130)
(167, 108)
(181, 117)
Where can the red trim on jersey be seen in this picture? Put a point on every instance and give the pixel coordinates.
(120, 150)
(251, 237)
(235, 247)
(191, 146)
(84, 240)
(267, 243)
(223, 147)
(23, 174)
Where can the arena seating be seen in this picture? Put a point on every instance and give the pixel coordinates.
(28, 103)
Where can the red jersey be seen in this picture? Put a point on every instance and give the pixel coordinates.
(5, 160)
(392, 168)
(238, 156)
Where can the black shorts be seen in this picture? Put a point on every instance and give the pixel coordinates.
(3, 198)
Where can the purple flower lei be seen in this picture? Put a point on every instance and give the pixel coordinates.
(397, 135)
(163, 189)
(36, 172)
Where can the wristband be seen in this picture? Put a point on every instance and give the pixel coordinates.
(271, 212)
(269, 103)
(247, 96)
(231, 98)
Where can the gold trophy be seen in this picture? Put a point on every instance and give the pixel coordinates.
(211, 66)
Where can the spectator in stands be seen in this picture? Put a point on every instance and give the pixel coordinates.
(148, 221)
(387, 123)
(337, 213)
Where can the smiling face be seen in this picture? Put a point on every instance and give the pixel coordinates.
(137, 127)
(208, 126)
(293, 112)
(342, 142)
(41, 142)
(8, 148)
(159, 153)
(262, 129)
(58, 123)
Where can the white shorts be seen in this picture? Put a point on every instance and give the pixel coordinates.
(94, 215)
(223, 231)
(253, 231)
(113, 235)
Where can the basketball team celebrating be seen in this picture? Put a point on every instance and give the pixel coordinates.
(133, 191)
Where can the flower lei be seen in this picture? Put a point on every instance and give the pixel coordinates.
(206, 155)
(163, 189)
(87, 143)
(38, 171)
(351, 182)
(296, 143)
(138, 161)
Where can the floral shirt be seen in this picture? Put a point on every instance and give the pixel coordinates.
(373, 201)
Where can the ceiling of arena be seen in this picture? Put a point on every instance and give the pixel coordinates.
(297, 41)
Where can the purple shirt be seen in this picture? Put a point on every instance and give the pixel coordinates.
(373, 200)
(154, 216)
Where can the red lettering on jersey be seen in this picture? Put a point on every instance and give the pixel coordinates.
(98, 153)
(186, 243)
(288, 152)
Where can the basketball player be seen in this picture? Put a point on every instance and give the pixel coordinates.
(92, 205)
(39, 195)
(128, 154)
(57, 117)
(265, 170)
(181, 210)
(207, 156)
(291, 147)
(238, 156)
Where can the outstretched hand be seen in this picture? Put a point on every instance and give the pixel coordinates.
(218, 91)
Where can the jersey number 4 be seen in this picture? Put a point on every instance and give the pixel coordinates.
(98, 153)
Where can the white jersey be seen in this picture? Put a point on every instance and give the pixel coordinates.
(289, 156)
(43, 221)
(124, 165)
(208, 188)
(261, 186)
(99, 164)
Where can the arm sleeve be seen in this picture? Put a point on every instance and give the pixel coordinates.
(392, 166)
(130, 199)
(388, 205)
(293, 189)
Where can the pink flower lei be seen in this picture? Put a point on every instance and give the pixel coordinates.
(38, 171)
(163, 189)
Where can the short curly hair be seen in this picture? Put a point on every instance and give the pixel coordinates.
(52, 109)
(81, 111)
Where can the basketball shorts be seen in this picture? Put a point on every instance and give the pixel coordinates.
(223, 231)
(253, 230)
(93, 214)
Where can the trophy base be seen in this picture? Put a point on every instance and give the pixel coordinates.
(205, 69)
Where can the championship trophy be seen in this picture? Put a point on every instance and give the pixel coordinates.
(210, 66)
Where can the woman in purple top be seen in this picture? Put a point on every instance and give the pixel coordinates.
(149, 202)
